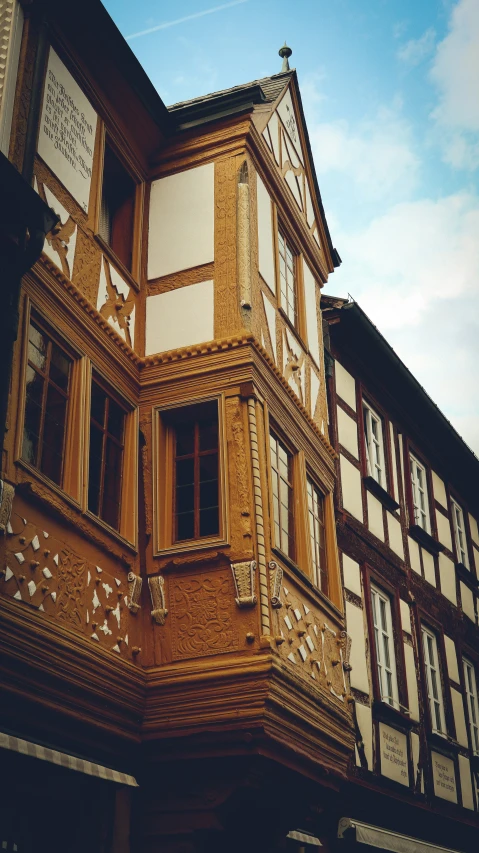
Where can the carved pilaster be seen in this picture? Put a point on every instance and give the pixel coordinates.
(244, 578)
(157, 592)
(275, 580)
(244, 242)
(134, 591)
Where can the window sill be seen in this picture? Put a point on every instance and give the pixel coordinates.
(381, 494)
(466, 575)
(109, 530)
(188, 546)
(386, 713)
(425, 539)
(297, 334)
(442, 743)
(287, 561)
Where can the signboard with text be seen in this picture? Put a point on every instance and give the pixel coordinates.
(444, 777)
(393, 752)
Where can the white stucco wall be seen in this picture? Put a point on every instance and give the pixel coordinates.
(451, 658)
(351, 488)
(375, 516)
(447, 576)
(443, 530)
(395, 536)
(311, 312)
(358, 661)
(181, 224)
(352, 575)
(439, 489)
(265, 235)
(345, 385)
(347, 432)
(180, 318)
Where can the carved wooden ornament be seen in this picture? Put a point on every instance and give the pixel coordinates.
(275, 581)
(244, 578)
(134, 591)
(157, 592)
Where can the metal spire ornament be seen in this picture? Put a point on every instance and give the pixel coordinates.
(285, 52)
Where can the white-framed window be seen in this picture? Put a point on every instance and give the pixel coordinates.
(384, 644)
(472, 703)
(433, 681)
(419, 494)
(459, 533)
(373, 435)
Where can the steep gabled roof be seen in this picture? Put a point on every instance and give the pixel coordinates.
(253, 97)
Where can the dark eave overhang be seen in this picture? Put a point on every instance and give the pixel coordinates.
(405, 399)
(203, 111)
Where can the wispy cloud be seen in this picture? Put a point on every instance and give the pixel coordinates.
(416, 50)
(167, 24)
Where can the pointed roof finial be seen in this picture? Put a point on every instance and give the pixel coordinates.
(285, 52)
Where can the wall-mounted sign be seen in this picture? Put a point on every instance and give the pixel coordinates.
(67, 131)
(444, 777)
(393, 752)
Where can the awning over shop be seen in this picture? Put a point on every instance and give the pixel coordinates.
(304, 838)
(81, 765)
(375, 836)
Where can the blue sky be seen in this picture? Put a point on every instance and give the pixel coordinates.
(391, 96)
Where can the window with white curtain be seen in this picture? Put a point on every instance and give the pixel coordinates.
(384, 645)
(373, 435)
(459, 533)
(419, 494)
(472, 703)
(433, 681)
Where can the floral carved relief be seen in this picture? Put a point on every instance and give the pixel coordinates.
(201, 614)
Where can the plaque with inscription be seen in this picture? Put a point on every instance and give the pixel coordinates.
(393, 751)
(444, 776)
(67, 131)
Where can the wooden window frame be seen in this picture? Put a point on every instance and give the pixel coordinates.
(425, 490)
(472, 704)
(106, 435)
(425, 630)
(275, 474)
(320, 575)
(457, 508)
(74, 443)
(377, 596)
(128, 523)
(299, 326)
(195, 456)
(368, 410)
(163, 479)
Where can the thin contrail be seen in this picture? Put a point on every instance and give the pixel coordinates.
(186, 18)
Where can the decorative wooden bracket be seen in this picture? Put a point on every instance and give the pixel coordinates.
(244, 578)
(134, 591)
(157, 592)
(346, 650)
(275, 581)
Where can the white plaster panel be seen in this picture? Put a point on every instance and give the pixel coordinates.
(394, 463)
(270, 312)
(351, 488)
(451, 659)
(447, 576)
(474, 529)
(466, 784)
(288, 117)
(67, 130)
(345, 385)
(459, 718)
(315, 386)
(181, 227)
(411, 680)
(358, 660)
(375, 516)
(365, 723)
(415, 756)
(348, 432)
(395, 536)
(352, 575)
(405, 616)
(180, 318)
(414, 555)
(439, 489)
(273, 126)
(467, 600)
(265, 235)
(444, 777)
(311, 312)
(443, 530)
(428, 563)
(309, 206)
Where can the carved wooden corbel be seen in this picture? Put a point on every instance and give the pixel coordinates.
(346, 650)
(244, 578)
(157, 592)
(7, 493)
(275, 581)
(134, 591)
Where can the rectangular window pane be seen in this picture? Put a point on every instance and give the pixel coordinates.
(196, 486)
(107, 424)
(384, 645)
(433, 681)
(281, 463)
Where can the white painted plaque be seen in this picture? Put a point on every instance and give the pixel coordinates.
(444, 777)
(67, 131)
(393, 750)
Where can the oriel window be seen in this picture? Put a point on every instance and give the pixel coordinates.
(107, 433)
(316, 532)
(287, 279)
(384, 645)
(282, 483)
(117, 209)
(48, 379)
(196, 483)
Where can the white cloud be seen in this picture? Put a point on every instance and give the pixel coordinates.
(455, 72)
(416, 50)
(377, 155)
